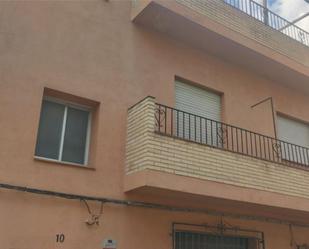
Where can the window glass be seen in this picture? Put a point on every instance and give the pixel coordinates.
(49, 134)
(63, 132)
(75, 137)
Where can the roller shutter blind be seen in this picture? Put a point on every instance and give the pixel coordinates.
(196, 102)
(293, 132)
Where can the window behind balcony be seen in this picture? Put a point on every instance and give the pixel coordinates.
(198, 108)
(296, 134)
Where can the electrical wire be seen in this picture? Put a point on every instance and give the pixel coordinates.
(148, 205)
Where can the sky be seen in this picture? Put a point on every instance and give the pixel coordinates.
(290, 10)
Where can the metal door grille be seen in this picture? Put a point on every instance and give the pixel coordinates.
(194, 240)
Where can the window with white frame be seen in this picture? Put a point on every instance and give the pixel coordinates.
(64, 132)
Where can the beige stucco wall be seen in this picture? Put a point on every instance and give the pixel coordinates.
(93, 54)
(91, 49)
(32, 222)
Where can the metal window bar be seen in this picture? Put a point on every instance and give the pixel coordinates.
(195, 236)
(194, 240)
(202, 130)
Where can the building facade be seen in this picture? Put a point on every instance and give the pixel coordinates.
(152, 124)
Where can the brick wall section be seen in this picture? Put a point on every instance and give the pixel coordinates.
(240, 22)
(148, 150)
(140, 127)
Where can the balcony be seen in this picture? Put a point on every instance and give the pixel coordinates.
(270, 19)
(241, 32)
(175, 151)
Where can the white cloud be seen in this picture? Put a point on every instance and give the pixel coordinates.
(291, 9)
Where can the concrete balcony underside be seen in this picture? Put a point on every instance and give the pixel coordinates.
(175, 190)
(231, 35)
(167, 166)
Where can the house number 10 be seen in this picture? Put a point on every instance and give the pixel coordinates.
(60, 238)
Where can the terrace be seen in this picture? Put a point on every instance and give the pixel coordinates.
(178, 151)
(241, 32)
(271, 19)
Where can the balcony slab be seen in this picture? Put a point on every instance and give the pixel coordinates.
(226, 32)
(159, 162)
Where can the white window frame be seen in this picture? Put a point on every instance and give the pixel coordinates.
(67, 104)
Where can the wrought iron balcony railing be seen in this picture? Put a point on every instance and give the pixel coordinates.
(189, 127)
(269, 18)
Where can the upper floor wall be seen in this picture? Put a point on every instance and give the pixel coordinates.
(91, 49)
(231, 33)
